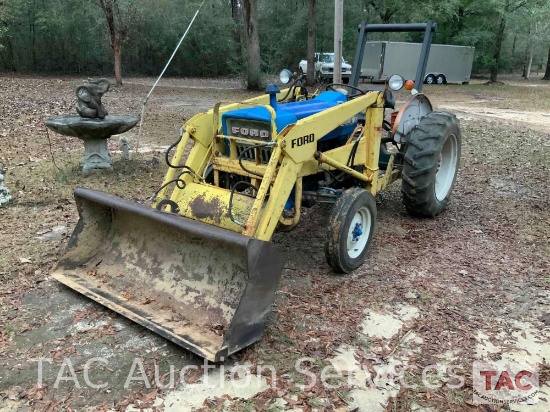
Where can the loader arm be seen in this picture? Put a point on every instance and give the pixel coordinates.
(204, 276)
(293, 155)
(201, 129)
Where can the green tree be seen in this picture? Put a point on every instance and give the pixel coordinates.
(4, 14)
(547, 72)
(120, 15)
(71, 35)
(504, 10)
(283, 34)
(250, 18)
(311, 32)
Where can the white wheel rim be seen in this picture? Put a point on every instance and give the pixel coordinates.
(446, 168)
(439, 80)
(357, 243)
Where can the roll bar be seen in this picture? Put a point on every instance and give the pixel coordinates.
(428, 28)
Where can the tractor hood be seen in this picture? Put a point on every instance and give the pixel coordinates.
(287, 113)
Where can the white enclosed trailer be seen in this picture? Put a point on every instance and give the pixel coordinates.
(446, 63)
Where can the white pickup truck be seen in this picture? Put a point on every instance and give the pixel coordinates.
(324, 67)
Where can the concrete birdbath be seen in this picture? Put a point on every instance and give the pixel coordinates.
(93, 125)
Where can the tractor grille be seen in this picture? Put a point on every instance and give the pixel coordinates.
(265, 153)
(249, 129)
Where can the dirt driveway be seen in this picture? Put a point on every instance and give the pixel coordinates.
(519, 104)
(402, 333)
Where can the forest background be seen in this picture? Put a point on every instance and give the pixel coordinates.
(91, 37)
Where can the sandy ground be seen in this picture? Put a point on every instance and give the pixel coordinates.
(435, 296)
(493, 111)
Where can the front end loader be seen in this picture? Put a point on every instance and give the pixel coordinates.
(198, 267)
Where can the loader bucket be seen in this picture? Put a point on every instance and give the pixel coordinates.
(206, 289)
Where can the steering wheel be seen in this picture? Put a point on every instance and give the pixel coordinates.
(331, 87)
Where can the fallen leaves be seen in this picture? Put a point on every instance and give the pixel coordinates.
(35, 393)
(217, 328)
(90, 313)
(545, 318)
(147, 301)
(410, 295)
(127, 295)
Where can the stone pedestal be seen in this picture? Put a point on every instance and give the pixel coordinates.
(96, 156)
(94, 133)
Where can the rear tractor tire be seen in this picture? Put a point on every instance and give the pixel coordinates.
(431, 164)
(350, 230)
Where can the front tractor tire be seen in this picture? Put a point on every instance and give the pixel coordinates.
(350, 230)
(431, 164)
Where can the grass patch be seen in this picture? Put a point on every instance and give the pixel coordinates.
(284, 339)
(242, 406)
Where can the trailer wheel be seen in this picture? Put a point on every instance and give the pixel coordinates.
(431, 164)
(440, 79)
(350, 229)
(430, 79)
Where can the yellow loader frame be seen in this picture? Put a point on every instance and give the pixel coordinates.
(204, 275)
(274, 181)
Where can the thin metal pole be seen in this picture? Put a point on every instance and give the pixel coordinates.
(424, 54)
(162, 73)
(338, 34)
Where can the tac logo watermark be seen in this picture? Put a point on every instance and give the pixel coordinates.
(505, 383)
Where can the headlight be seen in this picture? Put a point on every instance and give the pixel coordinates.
(285, 76)
(396, 82)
